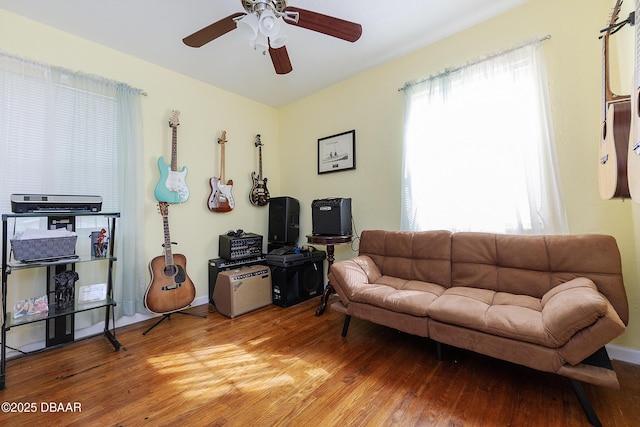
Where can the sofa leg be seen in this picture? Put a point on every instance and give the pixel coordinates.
(584, 402)
(347, 319)
(439, 351)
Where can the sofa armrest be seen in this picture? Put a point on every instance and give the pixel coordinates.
(347, 277)
(571, 307)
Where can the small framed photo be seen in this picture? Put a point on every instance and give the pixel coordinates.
(337, 152)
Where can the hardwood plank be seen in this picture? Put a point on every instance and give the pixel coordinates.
(287, 367)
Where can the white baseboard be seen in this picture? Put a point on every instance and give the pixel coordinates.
(624, 354)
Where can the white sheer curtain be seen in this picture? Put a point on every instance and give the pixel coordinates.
(479, 152)
(64, 132)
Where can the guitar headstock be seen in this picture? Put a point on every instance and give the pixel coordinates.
(163, 207)
(174, 120)
(223, 138)
(258, 142)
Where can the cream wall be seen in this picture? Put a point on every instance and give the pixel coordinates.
(371, 104)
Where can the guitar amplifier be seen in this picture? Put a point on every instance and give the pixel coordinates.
(217, 265)
(242, 290)
(331, 217)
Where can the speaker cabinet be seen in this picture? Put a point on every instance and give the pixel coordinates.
(292, 285)
(242, 290)
(284, 220)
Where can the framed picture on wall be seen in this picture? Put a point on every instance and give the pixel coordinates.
(337, 152)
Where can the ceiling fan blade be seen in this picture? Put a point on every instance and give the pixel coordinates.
(325, 24)
(280, 59)
(212, 32)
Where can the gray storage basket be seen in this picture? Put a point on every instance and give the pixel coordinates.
(29, 250)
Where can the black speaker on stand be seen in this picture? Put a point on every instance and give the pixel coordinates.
(284, 222)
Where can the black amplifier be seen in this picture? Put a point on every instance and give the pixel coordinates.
(331, 217)
(234, 247)
(217, 265)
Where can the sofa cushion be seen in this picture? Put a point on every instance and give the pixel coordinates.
(550, 321)
(423, 256)
(403, 296)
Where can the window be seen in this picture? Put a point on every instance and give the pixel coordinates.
(63, 132)
(478, 149)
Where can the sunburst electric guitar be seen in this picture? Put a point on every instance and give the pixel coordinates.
(633, 155)
(172, 186)
(259, 195)
(616, 123)
(170, 288)
(221, 199)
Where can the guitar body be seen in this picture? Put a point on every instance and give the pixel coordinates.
(259, 195)
(221, 199)
(612, 173)
(172, 185)
(170, 288)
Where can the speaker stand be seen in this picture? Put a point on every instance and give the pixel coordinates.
(329, 242)
(167, 315)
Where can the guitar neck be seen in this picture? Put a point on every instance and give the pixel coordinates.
(260, 162)
(174, 148)
(608, 95)
(168, 255)
(222, 163)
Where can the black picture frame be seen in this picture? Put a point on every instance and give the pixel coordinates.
(337, 153)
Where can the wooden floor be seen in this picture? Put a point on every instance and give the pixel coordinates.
(288, 367)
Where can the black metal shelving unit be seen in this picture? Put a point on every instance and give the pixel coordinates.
(55, 314)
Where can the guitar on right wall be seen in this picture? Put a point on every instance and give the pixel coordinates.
(259, 195)
(633, 156)
(616, 123)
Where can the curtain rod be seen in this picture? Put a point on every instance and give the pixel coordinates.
(473, 62)
(65, 70)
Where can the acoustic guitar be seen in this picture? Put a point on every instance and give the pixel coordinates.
(633, 155)
(172, 186)
(170, 288)
(259, 195)
(616, 123)
(221, 199)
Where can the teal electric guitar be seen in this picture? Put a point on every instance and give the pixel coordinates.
(172, 186)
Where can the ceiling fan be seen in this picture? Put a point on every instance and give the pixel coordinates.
(261, 25)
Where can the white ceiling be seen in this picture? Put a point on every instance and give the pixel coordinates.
(153, 31)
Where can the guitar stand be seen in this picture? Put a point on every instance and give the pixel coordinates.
(167, 315)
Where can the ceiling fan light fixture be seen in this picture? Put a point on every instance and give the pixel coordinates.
(248, 26)
(278, 40)
(260, 43)
(269, 24)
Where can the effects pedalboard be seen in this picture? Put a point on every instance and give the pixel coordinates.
(239, 245)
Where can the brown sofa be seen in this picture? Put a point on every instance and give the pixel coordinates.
(547, 302)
